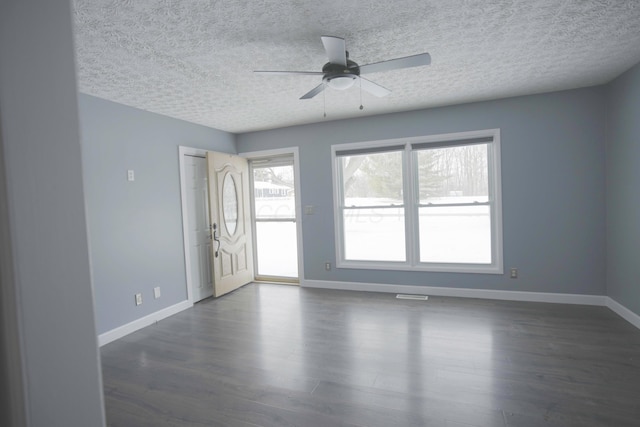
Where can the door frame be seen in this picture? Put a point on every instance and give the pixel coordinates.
(182, 151)
(290, 151)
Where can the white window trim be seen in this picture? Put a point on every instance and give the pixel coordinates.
(412, 244)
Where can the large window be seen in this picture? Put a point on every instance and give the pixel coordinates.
(430, 203)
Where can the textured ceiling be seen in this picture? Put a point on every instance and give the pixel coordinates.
(193, 60)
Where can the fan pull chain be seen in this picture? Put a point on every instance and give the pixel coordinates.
(360, 81)
(324, 99)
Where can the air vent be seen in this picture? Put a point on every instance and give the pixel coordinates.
(415, 297)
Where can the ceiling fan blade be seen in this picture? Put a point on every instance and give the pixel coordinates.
(336, 49)
(313, 92)
(373, 88)
(395, 64)
(280, 73)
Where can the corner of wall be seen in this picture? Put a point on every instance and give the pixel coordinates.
(623, 312)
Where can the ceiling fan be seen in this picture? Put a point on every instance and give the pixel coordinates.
(341, 72)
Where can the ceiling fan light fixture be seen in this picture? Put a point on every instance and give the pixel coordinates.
(341, 73)
(341, 82)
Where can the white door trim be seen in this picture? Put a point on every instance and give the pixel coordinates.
(296, 172)
(182, 151)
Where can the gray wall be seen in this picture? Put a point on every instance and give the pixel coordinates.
(42, 170)
(553, 187)
(12, 397)
(135, 228)
(623, 196)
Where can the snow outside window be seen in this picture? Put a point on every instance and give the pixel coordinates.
(429, 203)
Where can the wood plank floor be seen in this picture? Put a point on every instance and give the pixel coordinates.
(279, 356)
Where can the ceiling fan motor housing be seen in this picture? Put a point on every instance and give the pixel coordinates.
(340, 77)
(341, 73)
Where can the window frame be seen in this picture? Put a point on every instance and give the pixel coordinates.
(411, 201)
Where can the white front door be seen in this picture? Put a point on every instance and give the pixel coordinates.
(199, 229)
(230, 218)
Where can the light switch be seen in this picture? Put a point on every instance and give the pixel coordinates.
(309, 210)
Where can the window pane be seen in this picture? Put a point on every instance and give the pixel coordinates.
(374, 234)
(454, 205)
(453, 174)
(274, 192)
(372, 179)
(455, 234)
(277, 249)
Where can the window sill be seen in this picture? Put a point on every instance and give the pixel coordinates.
(434, 268)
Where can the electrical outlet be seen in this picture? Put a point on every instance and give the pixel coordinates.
(131, 175)
(514, 273)
(156, 292)
(138, 299)
(327, 266)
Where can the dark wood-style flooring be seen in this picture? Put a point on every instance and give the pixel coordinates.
(279, 356)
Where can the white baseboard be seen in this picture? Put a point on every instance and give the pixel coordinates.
(600, 300)
(143, 322)
(460, 292)
(623, 312)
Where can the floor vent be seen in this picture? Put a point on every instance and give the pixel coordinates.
(416, 297)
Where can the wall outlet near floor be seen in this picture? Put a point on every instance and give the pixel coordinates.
(156, 292)
(514, 273)
(327, 266)
(138, 299)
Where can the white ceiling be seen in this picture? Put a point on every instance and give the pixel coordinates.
(193, 60)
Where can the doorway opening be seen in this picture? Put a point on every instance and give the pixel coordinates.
(273, 212)
(275, 220)
(216, 221)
